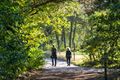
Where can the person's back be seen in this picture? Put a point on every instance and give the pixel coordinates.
(53, 52)
(54, 56)
(68, 53)
(68, 56)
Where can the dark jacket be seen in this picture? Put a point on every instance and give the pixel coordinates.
(53, 53)
(68, 54)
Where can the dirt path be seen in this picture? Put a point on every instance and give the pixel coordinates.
(63, 72)
(62, 67)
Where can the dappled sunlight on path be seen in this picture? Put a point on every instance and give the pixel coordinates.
(62, 67)
(64, 72)
(60, 63)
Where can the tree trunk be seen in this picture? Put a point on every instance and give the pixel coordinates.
(58, 42)
(105, 64)
(73, 39)
(90, 57)
(105, 67)
(70, 35)
(93, 55)
(64, 38)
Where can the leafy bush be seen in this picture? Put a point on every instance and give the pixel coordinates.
(16, 43)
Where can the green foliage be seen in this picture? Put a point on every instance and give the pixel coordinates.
(103, 40)
(18, 52)
(35, 59)
(28, 26)
(25, 27)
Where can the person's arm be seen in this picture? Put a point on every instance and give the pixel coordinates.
(66, 54)
(51, 51)
(55, 50)
(70, 54)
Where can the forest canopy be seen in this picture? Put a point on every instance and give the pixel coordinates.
(30, 27)
(23, 29)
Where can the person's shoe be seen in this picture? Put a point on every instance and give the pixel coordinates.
(68, 64)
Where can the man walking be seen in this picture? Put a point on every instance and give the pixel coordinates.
(54, 56)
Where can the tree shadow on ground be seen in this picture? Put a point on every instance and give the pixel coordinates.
(69, 74)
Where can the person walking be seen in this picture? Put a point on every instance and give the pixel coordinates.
(68, 56)
(54, 56)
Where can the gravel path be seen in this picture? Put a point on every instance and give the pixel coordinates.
(62, 67)
(64, 72)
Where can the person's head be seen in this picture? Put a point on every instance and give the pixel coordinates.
(53, 46)
(68, 49)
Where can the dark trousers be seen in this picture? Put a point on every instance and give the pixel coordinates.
(54, 61)
(68, 61)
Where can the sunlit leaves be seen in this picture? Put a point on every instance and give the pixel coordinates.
(104, 32)
(54, 16)
(14, 46)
